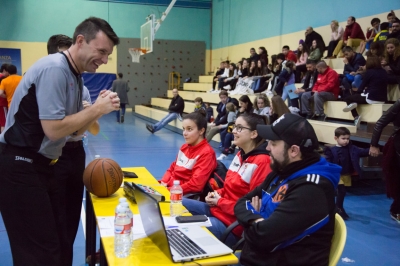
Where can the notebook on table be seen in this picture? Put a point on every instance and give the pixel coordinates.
(180, 244)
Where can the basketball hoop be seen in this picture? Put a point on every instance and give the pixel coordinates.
(135, 53)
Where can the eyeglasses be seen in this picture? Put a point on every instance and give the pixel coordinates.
(239, 128)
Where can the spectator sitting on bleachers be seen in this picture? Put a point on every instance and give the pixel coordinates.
(245, 69)
(277, 109)
(175, 110)
(373, 89)
(247, 170)
(226, 82)
(223, 76)
(351, 76)
(391, 17)
(336, 36)
(285, 78)
(196, 158)
(220, 71)
(280, 64)
(311, 35)
(253, 55)
(289, 54)
(209, 113)
(309, 81)
(252, 69)
(383, 34)
(262, 52)
(316, 50)
(353, 36)
(198, 104)
(302, 56)
(325, 89)
(395, 30)
(230, 118)
(261, 105)
(391, 63)
(371, 33)
(260, 76)
(375, 49)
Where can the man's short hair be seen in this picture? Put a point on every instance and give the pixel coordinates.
(280, 56)
(57, 41)
(11, 69)
(311, 62)
(375, 20)
(322, 64)
(91, 26)
(286, 47)
(347, 49)
(385, 26)
(342, 131)
(390, 15)
(120, 75)
(3, 67)
(223, 92)
(252, 49)
(198, 99)
(353, 18)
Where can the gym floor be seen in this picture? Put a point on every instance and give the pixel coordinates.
(373, 238)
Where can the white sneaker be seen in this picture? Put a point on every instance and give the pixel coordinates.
(227, 87)
(350, 107)
(221, 157)
(357, 121)
(215, 91)
(212, 89)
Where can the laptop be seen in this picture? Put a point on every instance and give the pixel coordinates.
(180, 244)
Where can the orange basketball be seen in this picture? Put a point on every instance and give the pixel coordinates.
(103, 177)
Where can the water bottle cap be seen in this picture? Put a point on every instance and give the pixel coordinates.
(176, 182)
(122, 199)
(97, 156)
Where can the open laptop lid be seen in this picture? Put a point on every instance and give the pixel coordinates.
(152, 220)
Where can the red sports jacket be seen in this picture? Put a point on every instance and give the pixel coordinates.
(328, 81)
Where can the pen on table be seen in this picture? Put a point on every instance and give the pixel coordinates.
(172, 226)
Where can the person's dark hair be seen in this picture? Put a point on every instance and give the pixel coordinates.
(252, 49)
(57, 41)
(390, 15)
(347, 49)
(385, 26)
(319, 46)
(264, 51)
(259, 71)
(311, 62)
(305, 50)
(3, 67)
(375, 46)
(223, 92)
(286, 47)
(375, 20)
(198, 99)
(199, 118)
(252, 121)
(341, 131)
(247, 61)
(278, 106)
(120, 75)
(280, 56)
(246, 99)
(231, 72)
(11, 69)
(373, 62)
(273, 61)
(289, 66)
(91, 26)
(353, 18)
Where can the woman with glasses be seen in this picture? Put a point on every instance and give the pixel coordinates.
(247, 170)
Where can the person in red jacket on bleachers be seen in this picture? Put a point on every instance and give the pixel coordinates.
(289, 54)
(325, 89)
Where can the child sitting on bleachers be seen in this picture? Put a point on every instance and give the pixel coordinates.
(347, 156)
(198, 104)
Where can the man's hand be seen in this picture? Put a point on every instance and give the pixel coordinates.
(212, 198)
(374, 151)
(345, 60)
(299, 90)
(256, 203)
(107, 102)
(353, 73)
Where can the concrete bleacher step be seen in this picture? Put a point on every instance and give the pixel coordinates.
(212, 98)
(197, 86)
(206, 79)
(368, 112)
(189, 106)
(157, 115)
(336, 63)
(325, 130)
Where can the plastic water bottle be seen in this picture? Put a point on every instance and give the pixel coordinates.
(122, 233)
(85, 139)
(121, 200)
(176, 199)
(130, 214)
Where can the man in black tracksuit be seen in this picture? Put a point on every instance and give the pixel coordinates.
(175, 111)
(289, 219)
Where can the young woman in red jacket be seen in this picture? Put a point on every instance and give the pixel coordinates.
(196, 158)
(247, 170)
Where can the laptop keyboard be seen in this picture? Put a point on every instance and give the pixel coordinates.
(182, 244)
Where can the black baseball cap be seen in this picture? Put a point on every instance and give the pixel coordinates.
(292, 129)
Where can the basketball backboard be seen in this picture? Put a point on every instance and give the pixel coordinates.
(147, 36)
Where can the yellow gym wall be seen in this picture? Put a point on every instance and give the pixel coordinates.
(32, 51)
(274, 44)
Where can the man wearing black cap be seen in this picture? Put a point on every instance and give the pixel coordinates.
(289, 219)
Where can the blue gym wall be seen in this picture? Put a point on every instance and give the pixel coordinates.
(236, 21)
(36, 20)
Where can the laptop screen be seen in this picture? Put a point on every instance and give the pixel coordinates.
(152, 220)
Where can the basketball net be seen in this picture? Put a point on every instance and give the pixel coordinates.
(135, 53)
